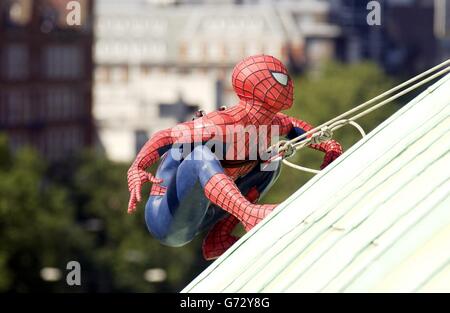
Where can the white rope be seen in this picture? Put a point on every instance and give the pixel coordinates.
(324, 132)
(300, 168)
(344, 122)
(310, 170)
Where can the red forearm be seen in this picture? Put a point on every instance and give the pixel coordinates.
(150, 152)
(187, 132)
(326, 146)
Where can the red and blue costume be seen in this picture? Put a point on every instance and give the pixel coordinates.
(194, 190)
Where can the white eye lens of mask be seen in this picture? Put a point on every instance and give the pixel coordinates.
(280, 77)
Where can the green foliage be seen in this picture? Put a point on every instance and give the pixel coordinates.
(76, 210)
(321, 97)
(36, 223)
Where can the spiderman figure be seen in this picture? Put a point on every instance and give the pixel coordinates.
(194, 189)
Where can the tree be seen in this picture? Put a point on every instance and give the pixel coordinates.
(36, 222)
(76, 211)
(124, 249)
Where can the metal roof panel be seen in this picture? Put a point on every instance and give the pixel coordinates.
(376, 219)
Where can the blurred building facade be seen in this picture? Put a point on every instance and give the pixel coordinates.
(156, 62)
(45, 76)
(412, 37)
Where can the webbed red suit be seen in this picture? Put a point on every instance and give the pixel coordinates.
(199, 188)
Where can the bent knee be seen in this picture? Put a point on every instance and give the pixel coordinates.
(202, 153)
(168, 238)
(162, 230)
(204, 163)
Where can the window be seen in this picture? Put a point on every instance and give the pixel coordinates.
(194, 51)
(156, 26)
(252, 48)
(102, 74)
(155, 50)
(60, 141)
(180, 110)
(60, 104)
(215, 51)
(167, 110)
(15, 62)
(145, 70)
(3, 110)
(72, 139)
(141, 137)
(235, 51)
(119, 74)
(63, 62)
(442, 19)
(70, 103)
(18, 107)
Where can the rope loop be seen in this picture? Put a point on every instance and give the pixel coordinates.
(324, 134)
(285, 148)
